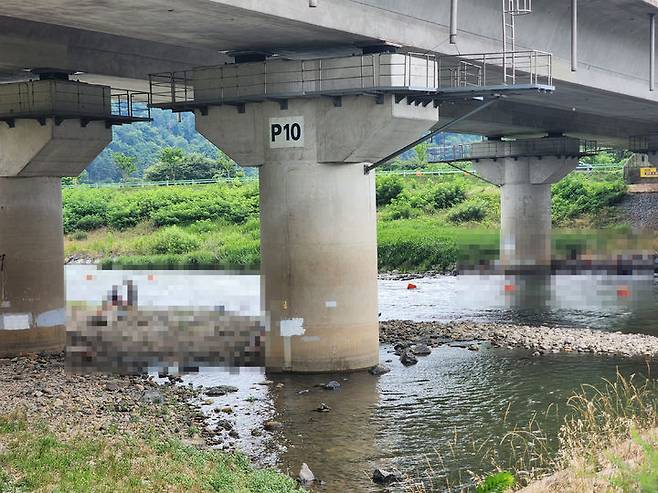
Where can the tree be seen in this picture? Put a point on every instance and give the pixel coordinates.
(125, 164)
(175, 164)
(422, 153)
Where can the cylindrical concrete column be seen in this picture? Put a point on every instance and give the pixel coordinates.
(32, 296)
(319, 266)
(525, 218)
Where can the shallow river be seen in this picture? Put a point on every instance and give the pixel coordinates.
(424, 419)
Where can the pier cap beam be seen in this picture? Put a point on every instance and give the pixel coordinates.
(52, 127)
(525, 170)
(318, 218)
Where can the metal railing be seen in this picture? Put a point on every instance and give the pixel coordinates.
(279, 78)
(496, 149)
(582, 168)
(130, 104)
(374, 73)
(530, 67)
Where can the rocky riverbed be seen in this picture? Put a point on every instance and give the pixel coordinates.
(41, 388)
(539, 340)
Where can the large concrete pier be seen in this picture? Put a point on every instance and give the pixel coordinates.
(318, 218)
(37, 147)
(525, 170)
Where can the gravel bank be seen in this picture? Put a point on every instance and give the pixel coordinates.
(539, 340)
(88, 405)
(639, 210)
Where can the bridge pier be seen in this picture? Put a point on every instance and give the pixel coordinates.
(35, 152)
(318, 218)
(32, 297)
(525, 170)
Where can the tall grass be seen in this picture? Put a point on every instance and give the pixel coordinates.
(607, 441)
(596, 418)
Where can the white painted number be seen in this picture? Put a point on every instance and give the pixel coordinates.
(287, 132)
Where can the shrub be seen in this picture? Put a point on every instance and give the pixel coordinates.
(388, 188)
(172, 240)
(88, 223)
(471, 210)
(497, 483)
(446, 195)
(576, 195)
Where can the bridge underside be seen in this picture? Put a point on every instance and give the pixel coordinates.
(117, 44)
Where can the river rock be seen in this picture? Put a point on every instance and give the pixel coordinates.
(381, 476)
(227, 425)
(152, 396)
(407, 358)
(220, 390)
(323, 408)
(306, 476)
(272, 425)
(421, 350)
(379, 370)
(333, 385)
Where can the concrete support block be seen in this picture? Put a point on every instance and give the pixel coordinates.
(318, 219)
(352, 129)
(525, 198)
(64, 149)
(32, 296)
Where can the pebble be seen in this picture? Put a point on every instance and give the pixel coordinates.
(272, 425)
(220, 390)
(421, 350)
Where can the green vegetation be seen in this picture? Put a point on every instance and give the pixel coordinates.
(497, 483)
(125, 164)
(579, 194)
(32, 458)
(425, 222)
(88, 208)
(174, 164)
(145, 141)
(641, 476)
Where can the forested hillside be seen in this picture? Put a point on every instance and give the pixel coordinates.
(144, 142)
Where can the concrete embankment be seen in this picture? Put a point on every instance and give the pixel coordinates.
(539, 340)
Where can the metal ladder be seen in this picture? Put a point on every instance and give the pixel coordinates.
(511, 9)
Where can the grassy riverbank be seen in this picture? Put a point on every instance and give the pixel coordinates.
(425, 223)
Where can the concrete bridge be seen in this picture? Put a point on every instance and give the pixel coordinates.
(312, 92)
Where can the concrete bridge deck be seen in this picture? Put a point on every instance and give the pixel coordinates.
(117, 42)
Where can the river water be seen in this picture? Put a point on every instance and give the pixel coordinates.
(426, 420)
